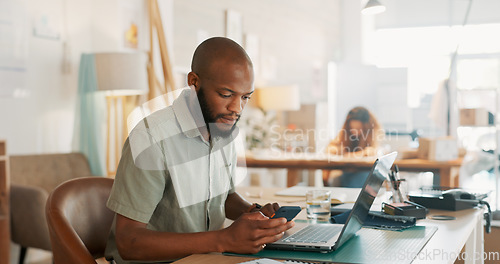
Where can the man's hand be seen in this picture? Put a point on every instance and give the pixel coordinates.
(252, 231)
(269, 209)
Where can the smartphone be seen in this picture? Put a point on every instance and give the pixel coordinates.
(288, 212)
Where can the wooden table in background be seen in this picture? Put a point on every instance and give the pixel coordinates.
(447, 170)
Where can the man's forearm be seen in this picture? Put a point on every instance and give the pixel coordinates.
(236, 206)
(246, 235)
(143, 244)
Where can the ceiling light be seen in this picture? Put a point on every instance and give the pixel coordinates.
(373, 7)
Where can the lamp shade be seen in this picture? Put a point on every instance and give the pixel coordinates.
(121, 73)
(281, 98)
(373, 7)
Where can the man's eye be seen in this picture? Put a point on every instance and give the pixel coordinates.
(246, 98)
(225, 95)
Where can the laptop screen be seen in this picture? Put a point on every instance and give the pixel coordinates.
(378, 174)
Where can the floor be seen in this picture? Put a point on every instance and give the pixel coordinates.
(34, 256)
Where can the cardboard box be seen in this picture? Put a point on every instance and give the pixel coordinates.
(473, 117)
(438, 149)
(408, 153)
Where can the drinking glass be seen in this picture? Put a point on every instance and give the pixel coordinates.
(318, 204)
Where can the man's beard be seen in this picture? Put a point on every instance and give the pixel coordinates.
(216, 129)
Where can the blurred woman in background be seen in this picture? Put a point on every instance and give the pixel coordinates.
(359, 137)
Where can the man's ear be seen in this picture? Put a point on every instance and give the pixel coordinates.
(193, 80)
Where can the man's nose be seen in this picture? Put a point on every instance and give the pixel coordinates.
(236, 105)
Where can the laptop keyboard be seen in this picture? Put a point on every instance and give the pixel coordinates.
(320, 233)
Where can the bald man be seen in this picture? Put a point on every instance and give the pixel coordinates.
(174, 184)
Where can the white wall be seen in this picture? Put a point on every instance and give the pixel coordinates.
(43, 121)
(410, 13)
(302, 37)
(382, 91)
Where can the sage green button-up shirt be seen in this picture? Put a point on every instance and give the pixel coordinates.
(170, 177)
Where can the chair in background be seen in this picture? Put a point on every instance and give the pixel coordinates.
(33, 177)
(78, 220)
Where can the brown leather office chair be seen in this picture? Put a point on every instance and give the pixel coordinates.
(32, 178)
(78, 219)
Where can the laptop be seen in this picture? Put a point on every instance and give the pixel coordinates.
(329, 237)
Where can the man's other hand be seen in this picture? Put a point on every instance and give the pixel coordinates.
(252, 231)
(269, 209)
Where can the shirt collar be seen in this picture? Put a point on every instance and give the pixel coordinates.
(188, 114)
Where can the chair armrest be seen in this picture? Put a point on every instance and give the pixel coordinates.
(28, 222)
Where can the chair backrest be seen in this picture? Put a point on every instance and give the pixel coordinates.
(78, 219)
(48, 170)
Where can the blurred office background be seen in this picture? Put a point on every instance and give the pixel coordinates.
(394, 63)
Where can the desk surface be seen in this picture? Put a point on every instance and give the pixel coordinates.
(443, 247)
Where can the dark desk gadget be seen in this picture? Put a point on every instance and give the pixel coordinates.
(395, 182)
(453, 200)
(406, 208)
(400, 206)
(288, 212)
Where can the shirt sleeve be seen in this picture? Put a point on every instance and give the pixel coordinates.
(137, 190)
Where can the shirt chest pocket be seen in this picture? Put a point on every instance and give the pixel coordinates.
(190, 181)
(222, 179)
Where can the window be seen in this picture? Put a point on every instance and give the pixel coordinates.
(427, 53)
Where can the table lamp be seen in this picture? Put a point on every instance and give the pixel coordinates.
(273, 98)
(119, 75)
(280, 98)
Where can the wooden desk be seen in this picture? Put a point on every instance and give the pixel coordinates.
(447, 170)
(4, 204)
(443, 247)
